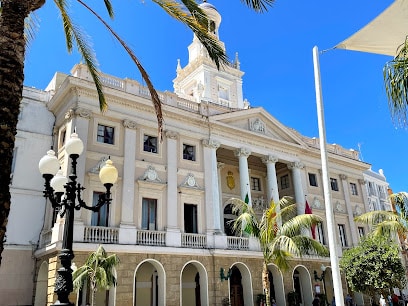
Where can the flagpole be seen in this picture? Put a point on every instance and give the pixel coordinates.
(334, 259)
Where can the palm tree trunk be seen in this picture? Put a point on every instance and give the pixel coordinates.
(12, 54)
(265, 283)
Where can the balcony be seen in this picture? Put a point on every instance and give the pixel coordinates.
(153, 238)
(99, 234)
(194, 241)
(237, 243)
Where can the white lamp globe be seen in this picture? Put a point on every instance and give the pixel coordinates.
(74, 145)
(49, 163)
(58, 182)
(108, 174)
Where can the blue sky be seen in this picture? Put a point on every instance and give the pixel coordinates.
(275, 51)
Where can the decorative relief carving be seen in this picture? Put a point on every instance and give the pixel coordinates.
(357, 211)
(343, 177)
(150, 175)
(211, 143)
(130, 124)
(190, 181)
(83, 112)
(361, 181)
(99, 165)
(171, 134)
(269, 159)
(339, 207)
(296, 165)
(242, 152)
(69, 114)
(259, 204)
(220, 165)
(230, 180)
(316, 203)
(257, 126)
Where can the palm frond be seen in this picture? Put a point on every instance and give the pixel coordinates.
(298, 224)
(31, 28)
(396, 85)
(259, 6)
(109, 8)
(153, 93)
(193, 17)
(74, 33)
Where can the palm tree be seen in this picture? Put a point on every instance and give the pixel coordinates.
(97, 272)
(389, 223)
(279, 232)
(13, 14)
(396, 85)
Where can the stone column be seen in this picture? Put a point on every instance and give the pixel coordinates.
(127, 232)
(346, 192)
(364, 192)
(242, 154)
(172, 196)
(272, 182)
(298, 186)
(212, 194)
(80, 122)
(219, 167)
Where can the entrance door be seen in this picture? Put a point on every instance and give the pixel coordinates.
(236, 290)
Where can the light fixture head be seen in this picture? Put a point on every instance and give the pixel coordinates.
(108, 174)
(58, 182)
(74, 145)
(323, 267)
(49, 163)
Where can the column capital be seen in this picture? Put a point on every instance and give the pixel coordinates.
(211, 143)
(296, 165)
(269, 159)
(83, 112)
(130, 124)
(242, 152)
(362, 182)
(171, 134)
(343, 177)
(220, 165)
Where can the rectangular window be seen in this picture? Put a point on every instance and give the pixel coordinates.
(353, 188)
(371, 190)
(342, 235)
(100, 217)
(320, 233)
(255, 184)
(333, 184)
(149, 213)
(312, 179)
(284, 181)
(105, 134)
(190, 218)
(150, 144)
(361, 232)
(189, 152)
(61, 139)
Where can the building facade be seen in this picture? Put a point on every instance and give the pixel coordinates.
(168, 221)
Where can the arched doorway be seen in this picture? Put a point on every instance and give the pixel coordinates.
(41, 285)
(236, 289)
(149, 286)
(302, 286)
(276, 285)
(194, 285)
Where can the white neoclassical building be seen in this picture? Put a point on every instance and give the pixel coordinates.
(168, 221)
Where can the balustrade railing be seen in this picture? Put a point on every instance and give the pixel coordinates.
(99, 234)
(237, 243)
(193, 240)
(46, 238)
(154, 238)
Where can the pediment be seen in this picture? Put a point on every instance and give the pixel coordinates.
(258, 121)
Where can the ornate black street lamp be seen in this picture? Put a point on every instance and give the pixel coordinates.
(321, 278)
(65, 197)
